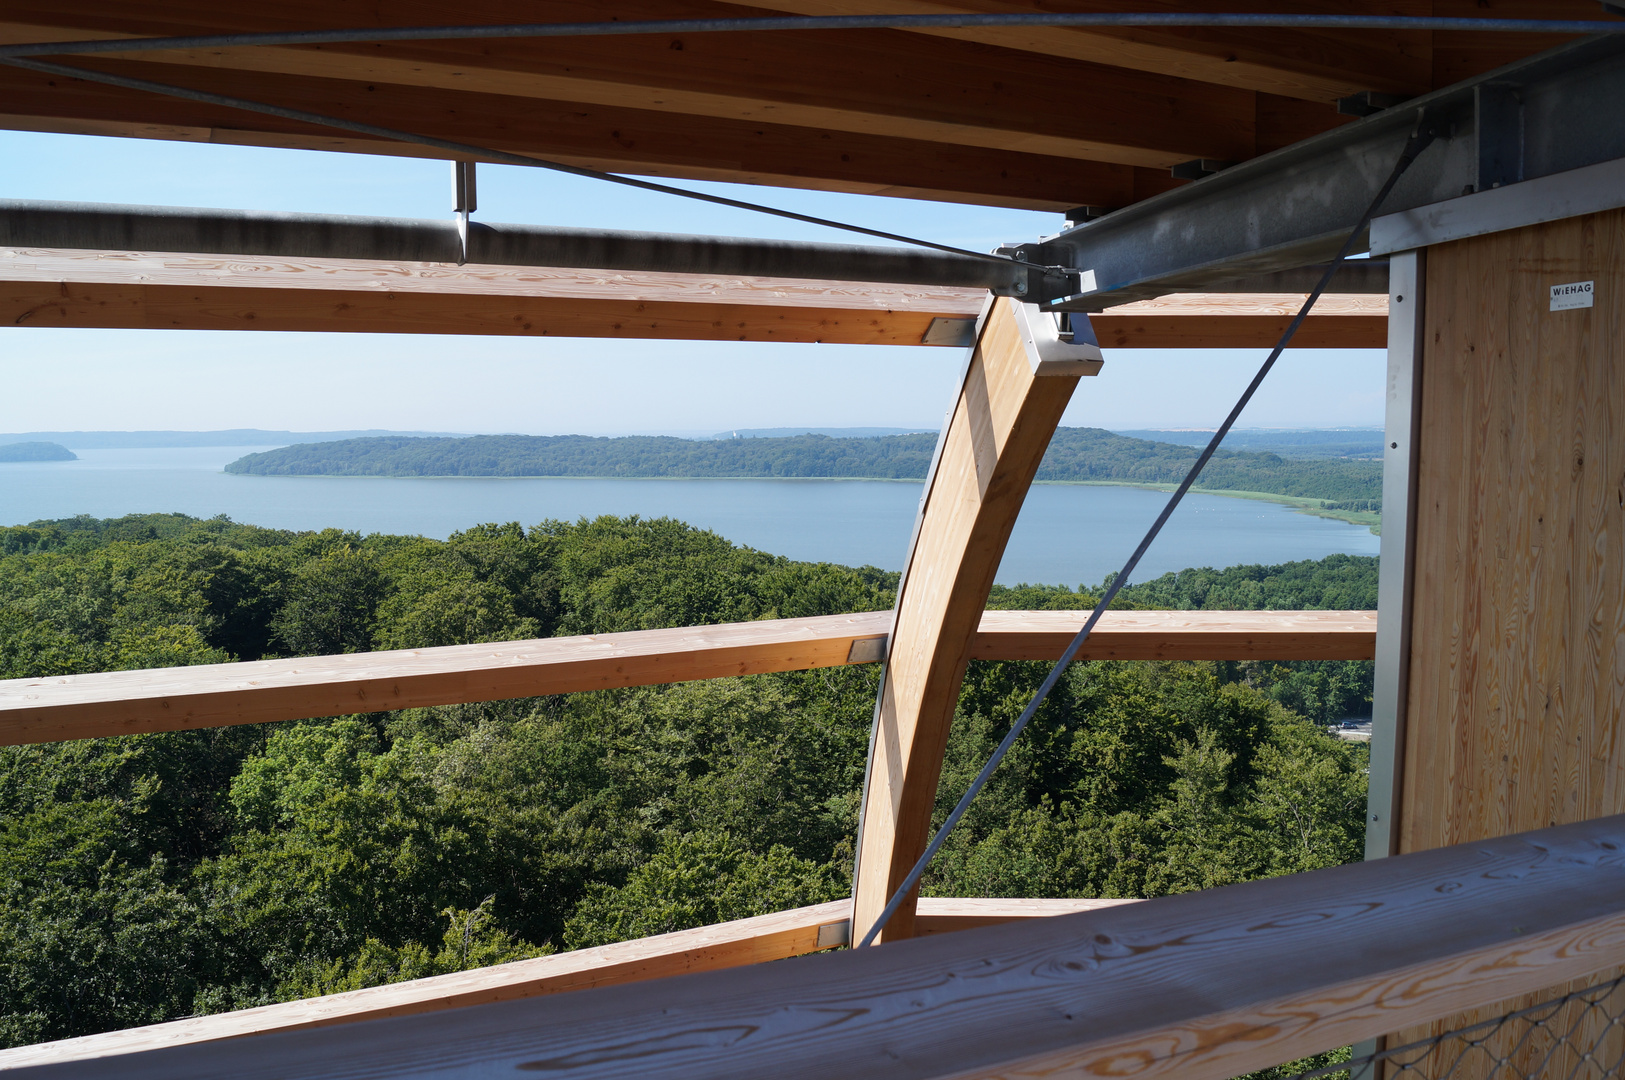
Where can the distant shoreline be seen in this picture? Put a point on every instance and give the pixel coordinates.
(1311, 507)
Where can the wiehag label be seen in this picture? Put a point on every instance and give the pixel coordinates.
(1576, 294)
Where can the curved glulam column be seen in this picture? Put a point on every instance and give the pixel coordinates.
(1018, 382)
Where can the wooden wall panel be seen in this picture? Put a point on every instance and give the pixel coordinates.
(1517, 673)
(1517, 662)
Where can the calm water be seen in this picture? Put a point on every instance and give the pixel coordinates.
(1067, 534)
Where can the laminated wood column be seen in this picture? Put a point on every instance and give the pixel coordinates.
(1020, 377)
(1517, 641)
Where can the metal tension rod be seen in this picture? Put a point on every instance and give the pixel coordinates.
(1150, 20)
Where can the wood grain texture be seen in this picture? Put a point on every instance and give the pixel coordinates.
(1179, 635)
(149, 290)
(1243, 321)
(259, 691)
(1517, 676)
(1312, 66)
(935, 89)
(599, 137)
(1201, 986)
(992, 443)
(711, 948)
(944, 114)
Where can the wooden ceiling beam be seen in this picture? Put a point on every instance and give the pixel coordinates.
(886, 83)
(1319, 66)
(612, 139)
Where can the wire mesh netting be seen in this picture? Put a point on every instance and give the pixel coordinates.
(1579, 1035)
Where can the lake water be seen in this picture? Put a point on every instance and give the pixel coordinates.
(1067, 534)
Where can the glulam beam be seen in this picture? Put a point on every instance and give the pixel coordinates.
(1016, 386)
(218, 695)
(181, 291)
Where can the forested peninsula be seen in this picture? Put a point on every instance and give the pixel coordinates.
(36, 451)
(1087, 455)
(150, 877)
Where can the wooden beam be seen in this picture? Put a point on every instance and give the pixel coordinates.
(599, 137)
(214, 292)
(1244, 321)
(932, 89)
(260, 691)
(1178, 635)
(710, 948)
(1317, 66)
(178, 291)
(1010, 401)
(1201, 986)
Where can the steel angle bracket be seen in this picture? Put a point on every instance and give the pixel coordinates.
(1054, 350)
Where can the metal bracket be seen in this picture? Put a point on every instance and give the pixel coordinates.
(1054, 349)
(867, 650)
(464, 200)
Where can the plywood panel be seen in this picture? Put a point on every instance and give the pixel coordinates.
(1518, 667)
(1517, 673)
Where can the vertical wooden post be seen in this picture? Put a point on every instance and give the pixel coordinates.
(1018, 382)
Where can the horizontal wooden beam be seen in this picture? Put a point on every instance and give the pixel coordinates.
(1200, 986)
(1313, 66)
(933, 89)
(1179, 635)
(179, 291)
(614, 139)
(709, 948)
(215, 292)
(1244, 321)
(258, 691)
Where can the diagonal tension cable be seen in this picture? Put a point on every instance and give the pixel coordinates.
(1419, 140)
(960, 21)
(499, 156)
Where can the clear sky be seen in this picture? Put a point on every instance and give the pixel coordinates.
(189, 380)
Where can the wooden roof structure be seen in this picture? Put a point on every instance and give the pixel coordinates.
(1203, 172)
(1039, 118)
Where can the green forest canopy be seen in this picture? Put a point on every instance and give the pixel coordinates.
(150, 877)
(1075, 454)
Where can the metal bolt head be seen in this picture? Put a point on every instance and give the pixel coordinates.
(1021, 288)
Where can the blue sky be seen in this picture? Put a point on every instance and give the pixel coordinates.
(135, 379)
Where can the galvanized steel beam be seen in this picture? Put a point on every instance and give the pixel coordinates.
(101, 227)
(1561, 110)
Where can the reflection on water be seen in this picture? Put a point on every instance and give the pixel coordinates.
(1067, 534)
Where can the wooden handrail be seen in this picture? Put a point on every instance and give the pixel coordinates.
(1201, 986)
(709, 948)
(217, 695)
